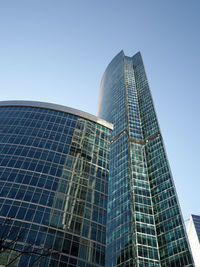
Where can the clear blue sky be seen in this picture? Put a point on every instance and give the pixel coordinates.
(57, 50)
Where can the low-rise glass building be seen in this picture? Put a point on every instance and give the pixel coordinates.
(53, 185)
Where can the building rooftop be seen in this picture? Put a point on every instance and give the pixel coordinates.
(38, 104)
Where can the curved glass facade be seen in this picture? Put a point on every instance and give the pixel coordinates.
(53, 186)
(144, 223)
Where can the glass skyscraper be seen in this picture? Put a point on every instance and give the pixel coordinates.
(53, 185)
(144, 221)
(86, 191)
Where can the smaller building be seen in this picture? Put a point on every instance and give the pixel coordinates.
(193, 231)
(54, 168)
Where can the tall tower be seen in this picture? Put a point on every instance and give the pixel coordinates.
(144, 222)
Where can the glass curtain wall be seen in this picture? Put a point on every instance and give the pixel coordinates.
(53, 188)
(144, 226)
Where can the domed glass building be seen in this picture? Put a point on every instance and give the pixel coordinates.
(53, 185)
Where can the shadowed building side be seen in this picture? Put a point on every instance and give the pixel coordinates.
(193, 231)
